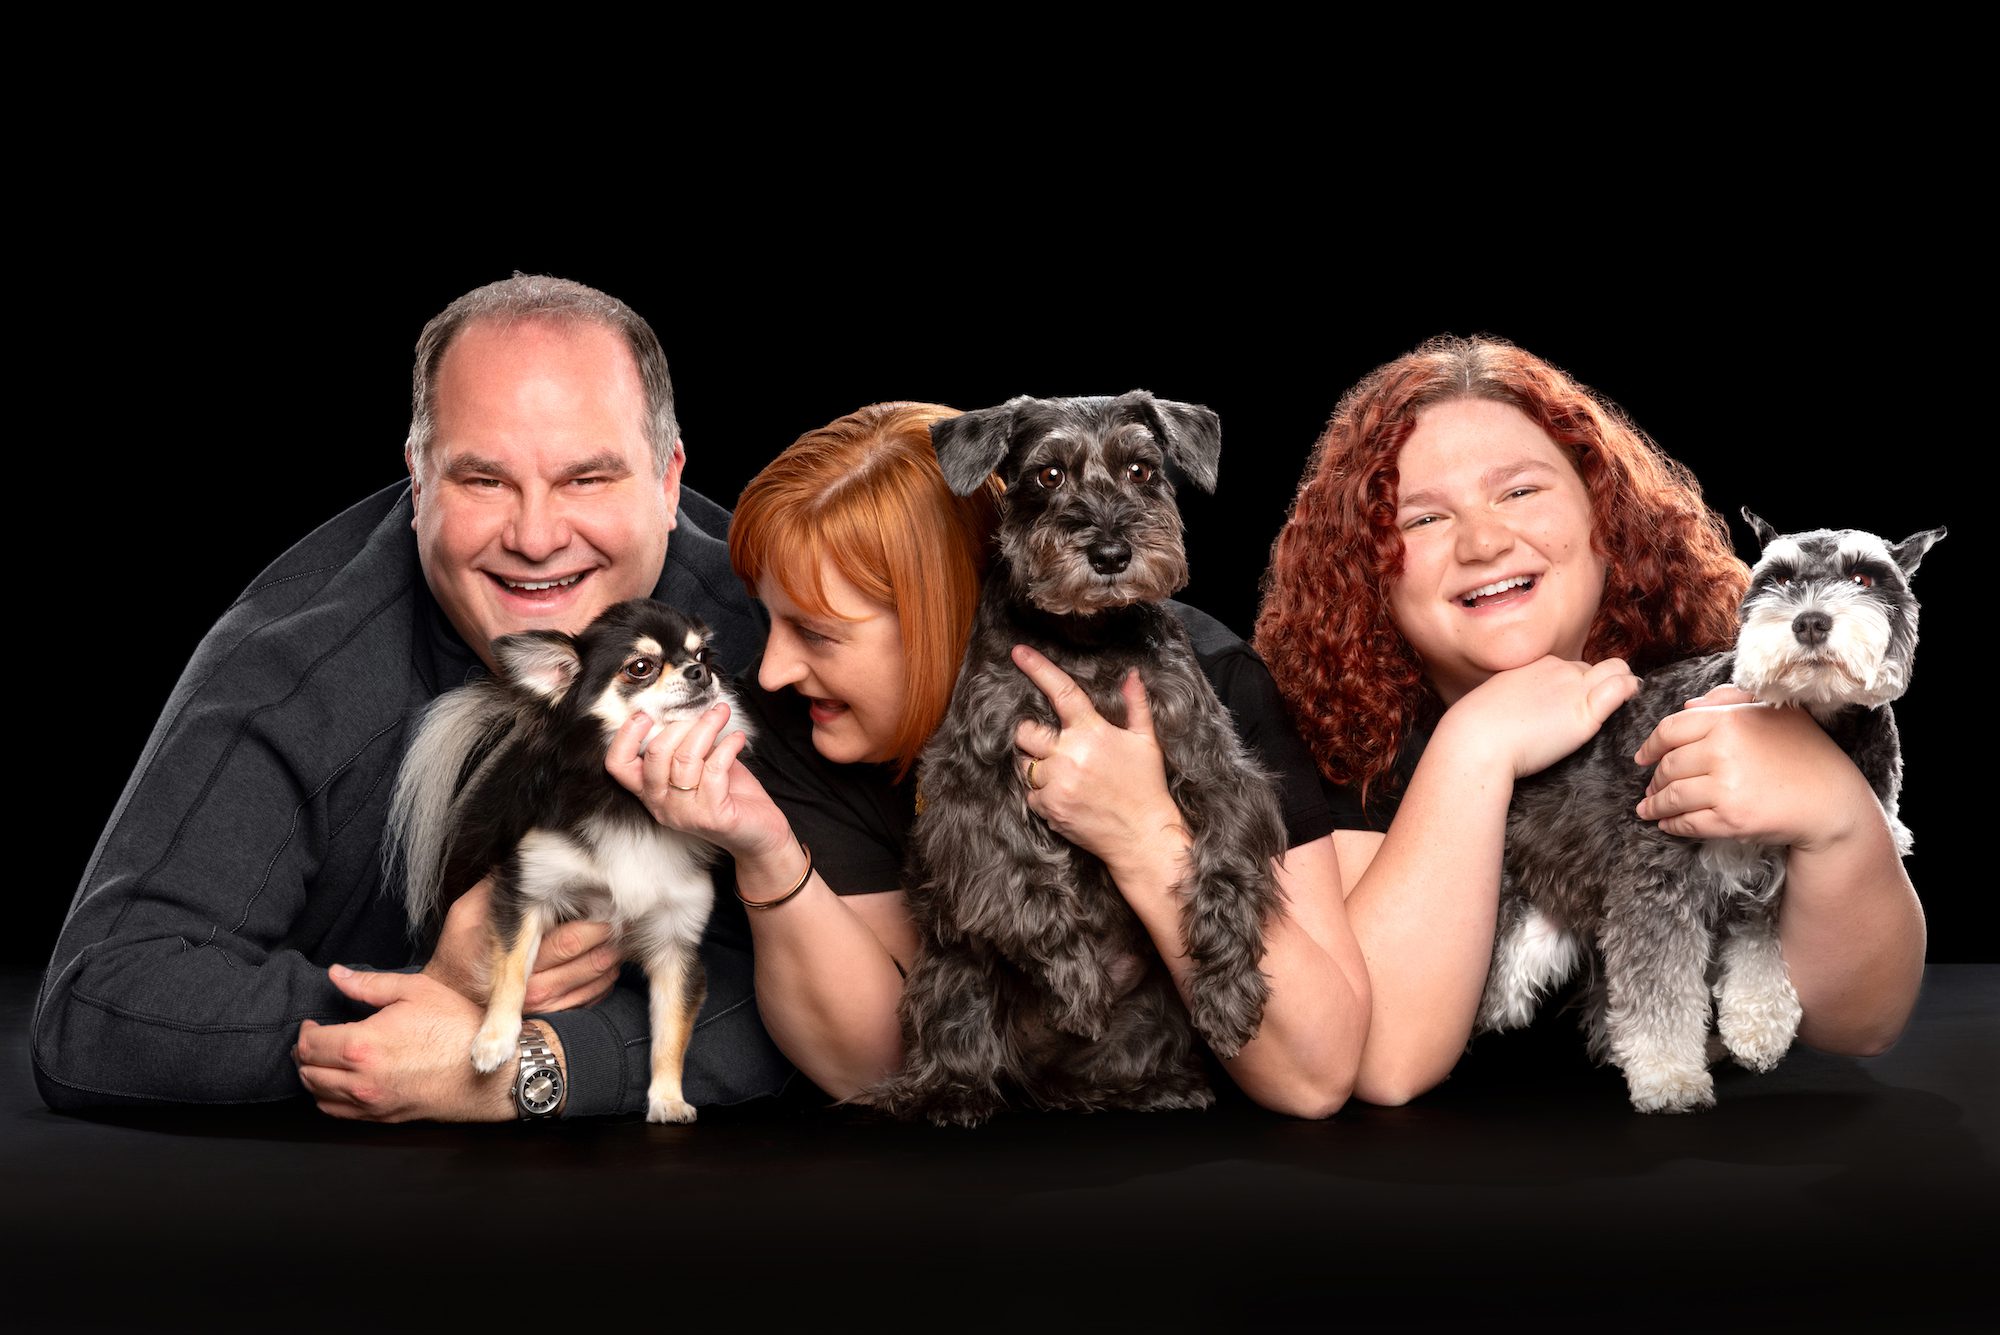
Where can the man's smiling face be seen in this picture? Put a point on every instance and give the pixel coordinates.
(537, 504)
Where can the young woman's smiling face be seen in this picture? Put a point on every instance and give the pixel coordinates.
(1498, 568)
(848, 666)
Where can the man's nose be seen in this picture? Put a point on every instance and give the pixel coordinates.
(539, 528)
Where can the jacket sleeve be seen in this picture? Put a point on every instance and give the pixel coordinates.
(241, 860)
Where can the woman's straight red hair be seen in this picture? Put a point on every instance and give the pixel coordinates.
(865, 493)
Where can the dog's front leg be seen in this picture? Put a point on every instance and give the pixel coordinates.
(1756, 1007)
(953, 1049)
(498, 1033)
(676, 986)
(1656, 953)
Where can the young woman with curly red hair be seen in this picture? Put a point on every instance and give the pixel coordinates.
(1480, 556)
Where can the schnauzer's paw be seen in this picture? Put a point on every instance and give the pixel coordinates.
(954, 1104)
(1504, 1008)
(664, 1107)
(1758, 1029)
(1227, 1017)
(494, 1045)
(1671, 1091)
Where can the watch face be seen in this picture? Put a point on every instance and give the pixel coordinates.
(541, 1091)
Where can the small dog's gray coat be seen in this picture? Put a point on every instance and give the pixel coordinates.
(1035, 977)
(1828, 625)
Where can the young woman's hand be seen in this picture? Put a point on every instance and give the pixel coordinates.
(1729, 768)
(1532, 716)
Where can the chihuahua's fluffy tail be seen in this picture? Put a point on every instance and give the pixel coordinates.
(459, 736)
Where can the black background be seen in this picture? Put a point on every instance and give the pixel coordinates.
(1794, 340)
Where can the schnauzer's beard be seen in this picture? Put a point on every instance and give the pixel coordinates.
(1049, 566)
(1854, 666)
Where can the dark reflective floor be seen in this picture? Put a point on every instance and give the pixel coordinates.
(1830, 1194)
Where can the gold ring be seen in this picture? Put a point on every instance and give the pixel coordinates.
(677, 788)
(1030, 780)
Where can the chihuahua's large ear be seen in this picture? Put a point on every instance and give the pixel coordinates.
(542, 661)
(971, 445)
(1189, 433)
(1763, 530)
(1910, 551)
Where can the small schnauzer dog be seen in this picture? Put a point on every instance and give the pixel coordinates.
(507, 775)
(1035, 977)
(1828, 625)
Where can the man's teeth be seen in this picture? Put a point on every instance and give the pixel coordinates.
(1498, 586)
(536, 586)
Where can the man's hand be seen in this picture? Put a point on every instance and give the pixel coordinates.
(576, 965)
(411, 1060)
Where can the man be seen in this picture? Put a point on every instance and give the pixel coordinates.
(205, 957)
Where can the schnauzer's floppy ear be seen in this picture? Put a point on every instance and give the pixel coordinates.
(971, 445)
(543, 661)
(1763, 530)
(1189, 433)
(1911, 550)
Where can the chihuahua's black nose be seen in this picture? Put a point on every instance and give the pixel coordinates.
(1110, 556)
(1812, 628)
(696, 673)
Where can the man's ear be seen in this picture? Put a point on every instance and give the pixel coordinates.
(670, 482)
(416, 484)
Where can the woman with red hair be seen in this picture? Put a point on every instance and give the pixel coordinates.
(1480, 555)
(870, 568)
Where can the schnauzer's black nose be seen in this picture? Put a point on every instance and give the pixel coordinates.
(1110, 556)
(695, 673)
(1812, 627)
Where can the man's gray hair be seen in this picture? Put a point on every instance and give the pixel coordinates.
(528, 298)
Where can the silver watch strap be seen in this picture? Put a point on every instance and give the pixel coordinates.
(537, 1058)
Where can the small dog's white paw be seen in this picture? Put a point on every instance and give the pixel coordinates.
(492, 1047)
(1758, 1029)
(668, 1108)
(1671, 1091)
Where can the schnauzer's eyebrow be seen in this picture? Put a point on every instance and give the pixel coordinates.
(1488, 480)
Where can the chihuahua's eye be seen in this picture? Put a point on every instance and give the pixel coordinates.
(1049, 478)
(641, 669)
(1139, 471)
(701, 654)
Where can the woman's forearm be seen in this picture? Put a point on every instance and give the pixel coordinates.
(1853, 937)
(1303, 1057)
(827, 986)
(1423, 910)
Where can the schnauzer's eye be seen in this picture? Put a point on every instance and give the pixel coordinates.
(1139, 471)
(1050, 478)
(641, 669)
(1863, 578)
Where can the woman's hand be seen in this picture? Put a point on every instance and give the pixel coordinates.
(1534, 715)
(1100, 786)
(1729, 768)
(693, 782)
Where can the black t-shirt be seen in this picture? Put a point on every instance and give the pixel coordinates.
(1385, 795)
(857, 821)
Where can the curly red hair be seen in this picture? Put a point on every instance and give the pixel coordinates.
(1355, 686)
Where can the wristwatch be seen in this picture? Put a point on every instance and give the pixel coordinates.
(538, 1085)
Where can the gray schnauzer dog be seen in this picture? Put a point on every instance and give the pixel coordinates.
(1828, 625)
(1035, 978)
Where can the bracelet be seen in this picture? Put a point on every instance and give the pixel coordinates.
(804, 876)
